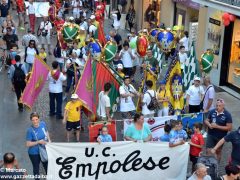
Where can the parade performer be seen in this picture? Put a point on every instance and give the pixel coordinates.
(21, 9)
(52, 12)
(150, 66)
(99, 33)
(58, 24)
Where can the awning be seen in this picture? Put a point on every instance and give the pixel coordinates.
(231, 6)
(188, 3)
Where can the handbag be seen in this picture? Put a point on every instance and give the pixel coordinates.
(42, 150)
(201, 103)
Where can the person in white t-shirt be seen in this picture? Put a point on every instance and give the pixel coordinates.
(185, 41)
(147, 99)
(31, 14)
(56, 78)
(127, 57)
(127, 92)
(182, 57)
(104, 105)
(45, 29)
(209, 95)
(116, 19)
(92, 28)
(195, 95)
(77, 8)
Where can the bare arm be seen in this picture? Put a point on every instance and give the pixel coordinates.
(228, 127)
(206, 121)
(209, 104)
(130, 139)
(149, 138)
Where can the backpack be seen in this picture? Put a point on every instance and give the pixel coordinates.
(153, 105)
(19, 75)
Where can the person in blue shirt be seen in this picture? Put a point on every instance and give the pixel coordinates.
(104, 136)
(174, 139)
(138, 131)
(165, 137)
(181, 133)
(37, 135)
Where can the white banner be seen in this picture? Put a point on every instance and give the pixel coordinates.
(41, 8)
(120, 160)
(156, 125)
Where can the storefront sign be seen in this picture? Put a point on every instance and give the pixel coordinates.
(214, 21)
(117, 161)
(229, 2)
(188, 3)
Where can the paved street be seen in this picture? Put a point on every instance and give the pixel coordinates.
(14, 124)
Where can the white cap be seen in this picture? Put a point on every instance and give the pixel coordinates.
(92, 17)
(197, 79)
(120, 66)
(71, 18)
(74, 96)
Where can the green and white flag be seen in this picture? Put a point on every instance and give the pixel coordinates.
(158, 55)
(191, 68)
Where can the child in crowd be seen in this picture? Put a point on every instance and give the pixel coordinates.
(119, 70)
(181, 133)
(174, 139)
(196, 144)
(165, 137)
(43, 54)
(116, 61)
(13, 52)
(104, 136)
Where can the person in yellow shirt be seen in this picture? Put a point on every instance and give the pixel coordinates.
(119, 70)
(43, 54)
(72, 116)
(163, 96)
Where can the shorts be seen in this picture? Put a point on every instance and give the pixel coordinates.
(212, 141)
(193, 159)
(73, 125)
(45, 39)
(128, 115)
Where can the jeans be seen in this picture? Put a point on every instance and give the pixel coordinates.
(61, 65)
(28, 67)
(35, 159)
(55, 97)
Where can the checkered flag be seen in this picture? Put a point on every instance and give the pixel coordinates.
(158, 55)
(191, 68)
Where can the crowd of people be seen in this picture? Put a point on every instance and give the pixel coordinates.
(68, 65)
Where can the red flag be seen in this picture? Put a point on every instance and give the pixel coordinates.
(94, 130)
(35, 83)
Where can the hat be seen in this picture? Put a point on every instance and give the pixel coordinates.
(71, 18)
(92, 16)
(162, 82)
(74, 96)
(197, 79)
(120, 66)
(126, 77)
(29, 30)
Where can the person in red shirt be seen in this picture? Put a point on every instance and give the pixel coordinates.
(196, 144)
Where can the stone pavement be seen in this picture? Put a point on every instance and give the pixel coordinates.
(14, 124)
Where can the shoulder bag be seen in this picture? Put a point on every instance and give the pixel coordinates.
(201, 103)
(42, 150)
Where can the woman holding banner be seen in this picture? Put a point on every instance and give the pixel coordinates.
(138, 131)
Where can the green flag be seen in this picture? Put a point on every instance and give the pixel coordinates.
(191, 68)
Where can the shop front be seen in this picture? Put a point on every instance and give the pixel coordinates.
(230, 72)
(224, 40)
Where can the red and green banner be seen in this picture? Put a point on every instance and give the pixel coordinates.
(91, 83)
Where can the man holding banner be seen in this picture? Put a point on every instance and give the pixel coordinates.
(104, 104)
